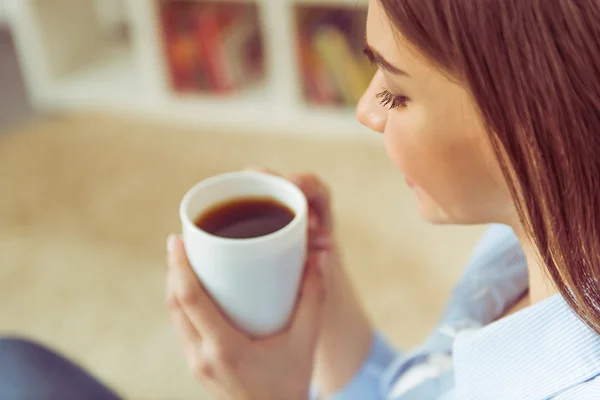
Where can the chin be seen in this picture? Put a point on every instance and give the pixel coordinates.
(431, 212)
(435, 217)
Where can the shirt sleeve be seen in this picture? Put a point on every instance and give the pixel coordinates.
(583, 391)
(367, 382)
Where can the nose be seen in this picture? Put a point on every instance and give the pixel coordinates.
(369, 111)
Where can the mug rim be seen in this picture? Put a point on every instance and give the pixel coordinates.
(189, 223)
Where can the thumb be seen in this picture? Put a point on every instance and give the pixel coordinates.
(307, 318)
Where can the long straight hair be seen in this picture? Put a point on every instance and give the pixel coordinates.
(533, 68)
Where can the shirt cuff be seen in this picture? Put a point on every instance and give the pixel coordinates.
(366, 383)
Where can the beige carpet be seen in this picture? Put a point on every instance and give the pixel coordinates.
(86, 203)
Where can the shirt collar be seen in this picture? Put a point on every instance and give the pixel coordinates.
(533, 354)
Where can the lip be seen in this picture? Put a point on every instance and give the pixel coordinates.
(187, 217)
(410, 183)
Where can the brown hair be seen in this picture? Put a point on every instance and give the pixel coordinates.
(533, 68)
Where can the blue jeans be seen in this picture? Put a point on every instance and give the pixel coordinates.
(29, 371)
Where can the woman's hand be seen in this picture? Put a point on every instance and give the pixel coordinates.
(230, 364)
(346, 333)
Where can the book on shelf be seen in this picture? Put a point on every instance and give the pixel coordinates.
(243, 50)
(211, 47)
(319, 86)
(333, 71)
(209, 35)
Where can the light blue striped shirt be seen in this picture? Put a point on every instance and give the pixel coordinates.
(542, 352)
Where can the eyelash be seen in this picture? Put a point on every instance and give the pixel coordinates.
(386, 98)
(392, 100)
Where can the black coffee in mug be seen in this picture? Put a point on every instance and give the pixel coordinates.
(245, 218)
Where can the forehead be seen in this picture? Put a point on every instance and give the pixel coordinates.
(427, 82)
(382, 37)
(377, 21)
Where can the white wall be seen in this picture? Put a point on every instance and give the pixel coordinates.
(4, 11)
(110, 14)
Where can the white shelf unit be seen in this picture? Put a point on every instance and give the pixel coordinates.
(108, 55)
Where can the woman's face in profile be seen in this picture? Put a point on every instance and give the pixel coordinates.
(433, 132)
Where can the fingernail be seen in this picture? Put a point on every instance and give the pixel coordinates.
(171, 242)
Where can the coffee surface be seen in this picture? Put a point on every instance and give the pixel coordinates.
(245, 218)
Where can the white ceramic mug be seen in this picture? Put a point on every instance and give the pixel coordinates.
(254, 281)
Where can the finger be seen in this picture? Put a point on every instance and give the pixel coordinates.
(313, 220)
(196, 303)
(318, 196)
(319, 240)
(306, 320)
(186, 333)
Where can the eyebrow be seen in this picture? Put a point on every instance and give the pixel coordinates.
(376, 58)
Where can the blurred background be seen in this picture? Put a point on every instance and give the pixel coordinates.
(111, 109)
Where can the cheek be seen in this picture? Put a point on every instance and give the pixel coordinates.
(447, 163)
(405, 144)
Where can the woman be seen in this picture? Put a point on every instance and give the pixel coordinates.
(492, 110)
